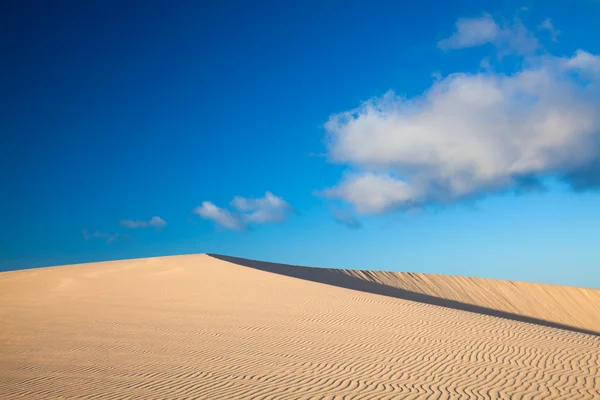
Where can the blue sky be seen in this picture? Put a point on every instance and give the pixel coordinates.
(424, 136)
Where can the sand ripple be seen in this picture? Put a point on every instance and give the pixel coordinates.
(194, 327)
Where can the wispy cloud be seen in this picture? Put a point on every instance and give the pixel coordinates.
(472, 32)
(507, 37)
(471, 134)
(98, 235)
(155, 222)
(548, 26)
(345, 218)
(267, 209)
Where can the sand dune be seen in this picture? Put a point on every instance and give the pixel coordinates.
(566, 307)
(196, 327)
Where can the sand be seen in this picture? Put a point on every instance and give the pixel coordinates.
(197, 327)
(568, 307)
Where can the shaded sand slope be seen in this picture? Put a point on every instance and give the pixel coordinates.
(564, 307)
(195, 327)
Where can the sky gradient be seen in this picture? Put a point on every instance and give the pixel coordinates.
(424, 136)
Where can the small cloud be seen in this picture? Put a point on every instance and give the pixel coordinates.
(262, 210)
(345, 218)
(98, 235)
(155, 222)
(549, 26)
(267, 209)
(509, 37)
(219, 216)
(472, 32)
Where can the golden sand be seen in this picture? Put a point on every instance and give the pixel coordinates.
(196, 327)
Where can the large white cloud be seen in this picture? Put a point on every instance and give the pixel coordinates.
(267, 209)
(472, 133)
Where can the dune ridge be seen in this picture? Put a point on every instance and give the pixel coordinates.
(196, 327)
(564, 307)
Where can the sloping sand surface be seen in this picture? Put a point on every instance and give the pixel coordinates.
(196, 327)
(567, 307)
(578, 307)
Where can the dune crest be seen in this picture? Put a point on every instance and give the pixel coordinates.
(196, 327)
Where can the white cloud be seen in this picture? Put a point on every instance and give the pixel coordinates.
(472, 32)
(267, 209)
(219, 216)
(371, 193)
(584, 62)
(262, 210)
(472, 133)
(510, 37)
(98, 235)
(155, 222)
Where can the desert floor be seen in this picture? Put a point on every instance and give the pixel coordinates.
(199, 327)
